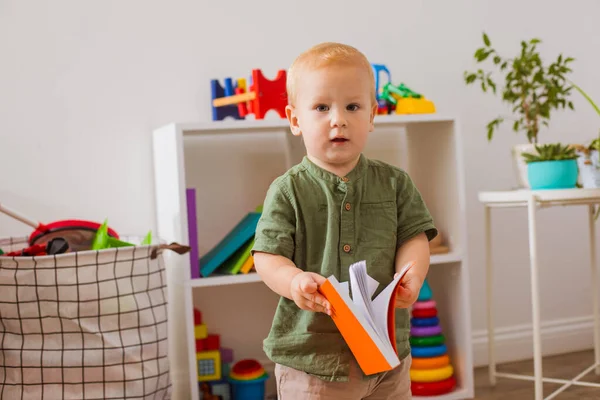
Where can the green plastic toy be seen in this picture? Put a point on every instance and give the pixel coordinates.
(102, 240)
(401, 90)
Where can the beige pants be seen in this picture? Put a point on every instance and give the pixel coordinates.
(293, 384)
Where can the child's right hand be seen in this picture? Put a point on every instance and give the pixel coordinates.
(304, 292)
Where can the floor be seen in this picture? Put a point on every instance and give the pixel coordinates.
(562, 367)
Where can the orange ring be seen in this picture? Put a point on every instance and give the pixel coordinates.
(430, 362)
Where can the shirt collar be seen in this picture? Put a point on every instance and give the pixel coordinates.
(355, 174)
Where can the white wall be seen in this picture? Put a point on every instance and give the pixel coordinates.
(82, 84)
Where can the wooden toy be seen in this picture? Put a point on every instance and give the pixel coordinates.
(261, 96)
(219, 92)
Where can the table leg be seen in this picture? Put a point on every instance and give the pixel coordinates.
(594, 270)
(490, 284)
(537, 345)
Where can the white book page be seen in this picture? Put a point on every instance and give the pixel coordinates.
(381, 304)
(360, 298)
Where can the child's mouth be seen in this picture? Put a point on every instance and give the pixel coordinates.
(339, 140)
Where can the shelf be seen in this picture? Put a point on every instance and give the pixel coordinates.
(184, 156)
(254, 277)
(224, 280)
(457, 394)
(218, 127)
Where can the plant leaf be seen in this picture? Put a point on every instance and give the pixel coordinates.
(486, 39)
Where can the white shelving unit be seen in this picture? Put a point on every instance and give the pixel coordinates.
(231, 164)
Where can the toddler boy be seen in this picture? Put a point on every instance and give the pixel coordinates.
(332, 209)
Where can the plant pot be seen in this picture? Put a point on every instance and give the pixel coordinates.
(519, 164)
(589, 168)
(559, 174)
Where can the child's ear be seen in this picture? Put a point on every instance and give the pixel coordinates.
(372, 117)
(290, 112)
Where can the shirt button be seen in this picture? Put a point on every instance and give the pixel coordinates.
(347, 248)
(347, 207)
(345, 179)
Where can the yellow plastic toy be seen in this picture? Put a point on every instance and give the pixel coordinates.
(431, 375)
(410, 105)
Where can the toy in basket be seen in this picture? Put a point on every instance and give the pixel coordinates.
(67, 236)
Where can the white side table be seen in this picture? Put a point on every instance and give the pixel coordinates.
(534, 199)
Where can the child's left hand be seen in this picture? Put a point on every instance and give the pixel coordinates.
(408, 290)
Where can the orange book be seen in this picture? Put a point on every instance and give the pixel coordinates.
(367, 325)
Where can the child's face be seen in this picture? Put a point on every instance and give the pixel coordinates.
(334, 113)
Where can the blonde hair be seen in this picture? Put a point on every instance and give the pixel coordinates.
(326, 54)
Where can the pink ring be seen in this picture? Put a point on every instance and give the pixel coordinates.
(424, 304)
(425, 330)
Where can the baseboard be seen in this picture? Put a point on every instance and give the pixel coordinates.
(515, 343)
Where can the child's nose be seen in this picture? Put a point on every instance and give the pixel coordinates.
(338, 119)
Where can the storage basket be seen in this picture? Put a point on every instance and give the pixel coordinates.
(84, 325)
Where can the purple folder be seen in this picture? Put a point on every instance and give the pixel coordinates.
(193, 232)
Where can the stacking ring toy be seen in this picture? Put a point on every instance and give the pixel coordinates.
(431, 375)
(429, 351)
(425, 330)
(430, 362)
(246, 370)
(424, 313)
(247, 376)
(424, 321)
(427, 340)
(424, 304)
(433, 388)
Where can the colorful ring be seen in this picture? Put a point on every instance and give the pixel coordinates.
(429, 351)
(424, 304)
(427, 340)
(425, 330)
(424, 321)
(430, 362)
(247, 376)
(433, 388)
(424, 313)
(431, 375)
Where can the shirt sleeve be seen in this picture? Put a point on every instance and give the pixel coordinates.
(275, 232)
(413, 216)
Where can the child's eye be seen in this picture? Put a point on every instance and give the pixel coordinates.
(321, 108)
(352, 107)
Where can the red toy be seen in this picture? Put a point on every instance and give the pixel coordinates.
(433, 388)
(78, 234)
(262, 95)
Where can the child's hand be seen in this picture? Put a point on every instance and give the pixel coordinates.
(408, 290)
(304, 292)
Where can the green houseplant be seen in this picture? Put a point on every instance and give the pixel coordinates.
(531, 88)
(552, 166)
(589, 163)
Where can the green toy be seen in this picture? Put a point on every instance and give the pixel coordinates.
(102, 240)
(401, 91)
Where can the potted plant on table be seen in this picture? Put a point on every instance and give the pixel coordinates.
(552, 166)
(532, 89)
(589, 163)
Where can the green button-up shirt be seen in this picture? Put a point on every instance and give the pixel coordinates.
(324, 223)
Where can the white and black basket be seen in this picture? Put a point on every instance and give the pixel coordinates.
(84, 325)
